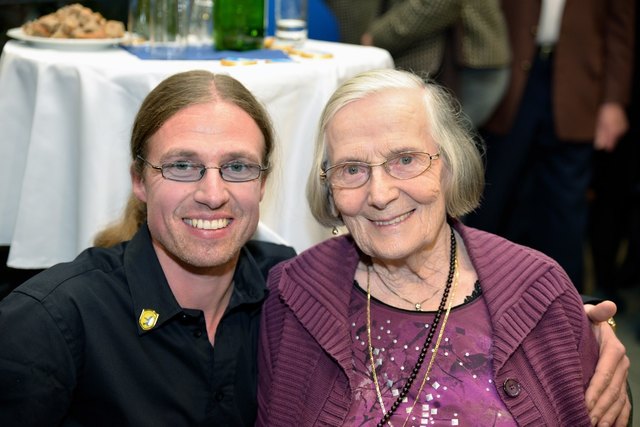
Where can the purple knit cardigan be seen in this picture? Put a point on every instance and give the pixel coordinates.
(541, 336)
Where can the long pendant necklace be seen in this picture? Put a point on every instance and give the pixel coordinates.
(453, 262)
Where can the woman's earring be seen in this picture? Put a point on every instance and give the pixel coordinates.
(335, 231)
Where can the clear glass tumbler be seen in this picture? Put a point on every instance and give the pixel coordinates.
(291, 22)
(169, 28)
(201, 23)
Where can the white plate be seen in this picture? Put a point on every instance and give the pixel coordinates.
(64, 44)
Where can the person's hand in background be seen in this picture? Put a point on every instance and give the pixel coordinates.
(611, 125)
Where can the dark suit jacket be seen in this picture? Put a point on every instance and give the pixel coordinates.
(593, 62)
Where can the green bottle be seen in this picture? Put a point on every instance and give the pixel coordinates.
(238, 24)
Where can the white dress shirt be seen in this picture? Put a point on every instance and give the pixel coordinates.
(550, 20)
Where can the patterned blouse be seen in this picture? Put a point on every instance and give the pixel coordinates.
(459, 390)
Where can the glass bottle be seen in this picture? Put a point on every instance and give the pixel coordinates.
(238, 24)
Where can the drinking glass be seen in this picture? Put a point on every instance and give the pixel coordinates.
(291, 22)
(201, 23)
(138, 21)
(168, 28)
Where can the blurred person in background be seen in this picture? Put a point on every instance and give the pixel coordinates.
(461, 43)
(614, 222)
(570, 83)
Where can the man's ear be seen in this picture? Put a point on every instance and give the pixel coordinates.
(263, 186)
(137, 184)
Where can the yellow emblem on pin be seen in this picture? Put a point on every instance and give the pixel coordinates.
(148, 319)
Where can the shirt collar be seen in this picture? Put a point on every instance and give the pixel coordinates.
(153, 300)
(249, 283)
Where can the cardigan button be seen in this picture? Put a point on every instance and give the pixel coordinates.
(511, 387)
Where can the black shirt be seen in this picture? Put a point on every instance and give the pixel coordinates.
(73, 350)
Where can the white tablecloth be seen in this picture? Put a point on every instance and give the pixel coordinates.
(65, 120)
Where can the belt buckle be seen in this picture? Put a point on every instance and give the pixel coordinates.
(545, 51)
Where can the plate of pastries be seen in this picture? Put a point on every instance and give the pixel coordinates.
(71, 27)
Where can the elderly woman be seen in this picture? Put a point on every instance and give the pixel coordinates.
(413, 318)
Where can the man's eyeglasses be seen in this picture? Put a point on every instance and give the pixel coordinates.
(185, 171)
(356, 174)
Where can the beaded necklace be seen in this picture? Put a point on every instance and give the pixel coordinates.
(453, 271)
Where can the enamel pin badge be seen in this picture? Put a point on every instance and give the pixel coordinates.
(148, 319)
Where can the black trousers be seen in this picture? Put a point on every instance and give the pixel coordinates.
(536, 192)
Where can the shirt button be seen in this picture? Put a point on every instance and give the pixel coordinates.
(511, 387)
(197, 333)
(219, 396)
